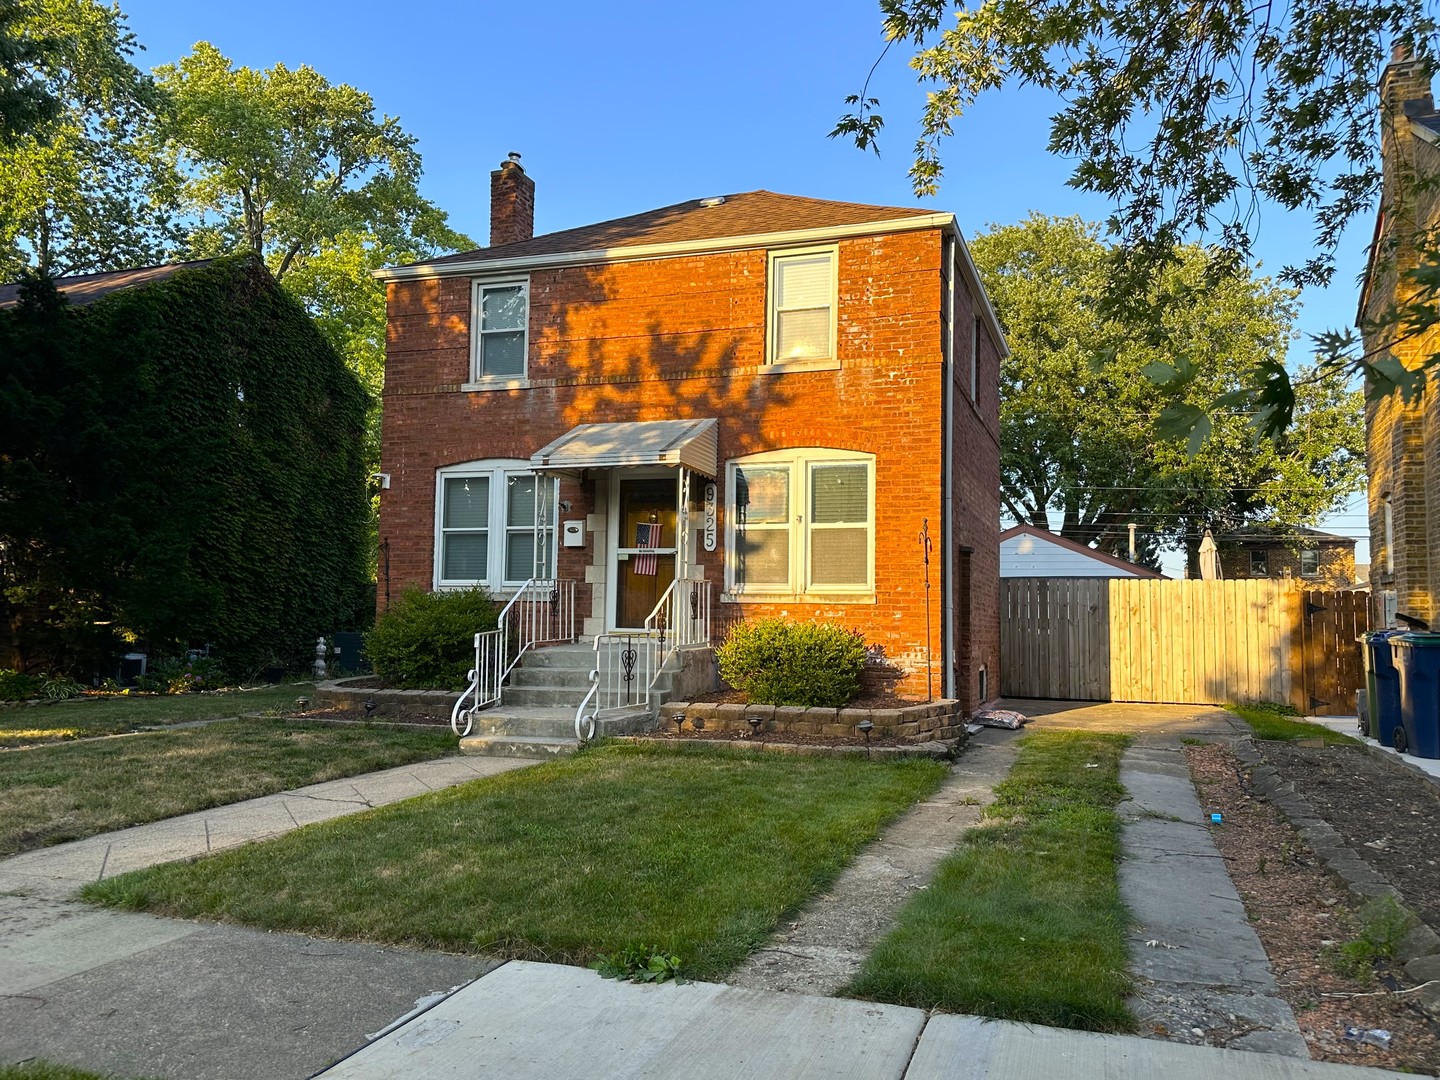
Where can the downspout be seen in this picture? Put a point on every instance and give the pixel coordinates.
(947, 493)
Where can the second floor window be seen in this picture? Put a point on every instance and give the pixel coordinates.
(501, 313)
(802, 306)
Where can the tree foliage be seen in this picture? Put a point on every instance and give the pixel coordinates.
(25, 102)
(1190, 119)
(88, 189)
(179, 463)
(1084, 393)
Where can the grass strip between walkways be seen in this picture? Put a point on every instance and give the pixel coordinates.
(115, 714)
(56, 793)
(691, 851)
(1024, 921)
(46, 1070)
(1271, 722)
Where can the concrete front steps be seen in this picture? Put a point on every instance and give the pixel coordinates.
(536, 714)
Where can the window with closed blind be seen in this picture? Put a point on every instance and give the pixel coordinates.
(801, 324)
(485, 525)
(801, 522)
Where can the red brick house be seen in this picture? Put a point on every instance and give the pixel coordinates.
(763, 397)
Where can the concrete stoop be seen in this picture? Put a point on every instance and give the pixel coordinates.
(536, 714)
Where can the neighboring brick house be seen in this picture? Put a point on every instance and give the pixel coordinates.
(830, 368)
(1318, 559)
(1403, 440)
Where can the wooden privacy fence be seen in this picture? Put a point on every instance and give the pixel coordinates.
(1185, 642)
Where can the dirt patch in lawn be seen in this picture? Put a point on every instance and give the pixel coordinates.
(1303, 914)
(1389, 816)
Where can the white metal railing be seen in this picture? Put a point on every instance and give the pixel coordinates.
(486, 678)
(542, 612)
(682, 617)
(626, 664)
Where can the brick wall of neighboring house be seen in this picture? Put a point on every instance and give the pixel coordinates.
(976, 502)
(1403, 440)
(1336, 569)
(685, 337)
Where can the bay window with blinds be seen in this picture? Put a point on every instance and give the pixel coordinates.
(801, 317)
(485, 525)
(801, 522)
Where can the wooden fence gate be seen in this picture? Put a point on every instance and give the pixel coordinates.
(1186, 642)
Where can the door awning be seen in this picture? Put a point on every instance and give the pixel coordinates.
(688, 443)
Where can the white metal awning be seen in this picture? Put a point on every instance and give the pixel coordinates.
(690, 444)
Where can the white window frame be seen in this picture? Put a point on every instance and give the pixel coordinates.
(1315, 552)
(498, 471)
(801, 462)
(1388, 515)
(772, 310)
(478, 379)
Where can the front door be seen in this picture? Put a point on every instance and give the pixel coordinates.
(645, 548)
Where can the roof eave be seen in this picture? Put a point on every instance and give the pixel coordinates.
(552, 260)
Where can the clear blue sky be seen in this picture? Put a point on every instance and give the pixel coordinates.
(619, 107)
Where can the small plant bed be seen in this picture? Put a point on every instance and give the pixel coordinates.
(1024, 921)
(57, 793)
(1331, 957)
(744, 735)
(924, 722)
(865, 699)
(684, 851)
(116, 714)
(1282, 724)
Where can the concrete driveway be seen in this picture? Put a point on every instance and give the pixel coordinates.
(1151, 725)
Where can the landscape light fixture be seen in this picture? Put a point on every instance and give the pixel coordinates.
(754, 722)
(866, 727)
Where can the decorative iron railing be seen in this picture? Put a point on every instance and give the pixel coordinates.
(682, 617)
(540, 613)
(626, 664)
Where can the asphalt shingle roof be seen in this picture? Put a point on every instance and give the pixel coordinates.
(87, 288)
(743, 214)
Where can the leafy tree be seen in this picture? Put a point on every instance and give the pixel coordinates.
(283, 163)
(25, 102)
(1079, 414)
(1188, 119)
(86, 190)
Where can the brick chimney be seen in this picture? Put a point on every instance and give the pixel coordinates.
(1404, 94)
(512, 203)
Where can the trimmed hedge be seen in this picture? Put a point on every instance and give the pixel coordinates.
(426, 641)
(778, 662)
(180, 462)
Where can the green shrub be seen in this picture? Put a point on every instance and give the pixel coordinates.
(171, 675)
(16, 686)
(427, 640)
(777, 662)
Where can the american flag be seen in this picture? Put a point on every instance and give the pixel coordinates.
(647, 536)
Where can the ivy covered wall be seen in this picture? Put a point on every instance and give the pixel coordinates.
(180, 463)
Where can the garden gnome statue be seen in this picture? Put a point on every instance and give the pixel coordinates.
(320, 658)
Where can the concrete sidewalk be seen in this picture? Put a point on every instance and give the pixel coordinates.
(529, 1021)
(56, 872)
(143, 996)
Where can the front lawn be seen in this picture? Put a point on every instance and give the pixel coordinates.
(64, 792)
(690, 850)
(45, 1070)
(116, 714)
(1273, 722)
(1024, 921)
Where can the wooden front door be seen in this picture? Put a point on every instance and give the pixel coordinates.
(645, 548)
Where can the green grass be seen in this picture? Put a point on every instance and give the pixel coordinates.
(689, 851)
(1024, 920)
(119, 713)
(55, 793)
(1278, 723)
(45, 1070)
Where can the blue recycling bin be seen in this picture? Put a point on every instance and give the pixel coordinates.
(1382, 685)
(1417, 659)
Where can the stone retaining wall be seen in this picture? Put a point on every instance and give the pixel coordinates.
(390, 704)
(941, 719)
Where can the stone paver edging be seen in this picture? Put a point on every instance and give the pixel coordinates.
(924, 722)
(1419, 950)
(938, 750)
(340, 694)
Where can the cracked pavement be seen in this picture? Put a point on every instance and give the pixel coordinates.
(134, 994)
